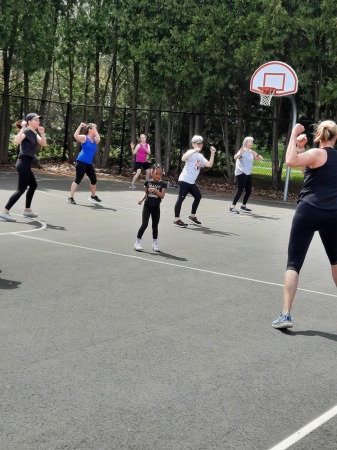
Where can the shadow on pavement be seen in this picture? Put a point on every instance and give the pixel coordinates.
(9, 284)
(332, 337)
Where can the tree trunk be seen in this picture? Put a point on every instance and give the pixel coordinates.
(133, 125)
(70, 142)
(7, 55)
(25, 92)
(224, 127)
(112, 111)
(158, 136)
(169, 135)
(239, 130)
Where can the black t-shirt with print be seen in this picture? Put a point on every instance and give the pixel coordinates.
(152, 198)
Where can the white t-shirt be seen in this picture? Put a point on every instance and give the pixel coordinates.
(244, 164)
(192, 168)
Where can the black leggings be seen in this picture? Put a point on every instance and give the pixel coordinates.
(244, 182)
(83, 168)
(306, 221)
(26, 179)
(154, 212)
(184, 189)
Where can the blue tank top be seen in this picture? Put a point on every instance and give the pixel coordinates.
(320, 184)
(88, 151)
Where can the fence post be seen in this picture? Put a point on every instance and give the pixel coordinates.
(122, 143)
(66, 130)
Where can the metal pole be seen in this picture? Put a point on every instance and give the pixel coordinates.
(286, 183)
(122, 143)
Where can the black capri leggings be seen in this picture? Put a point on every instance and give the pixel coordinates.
(154, 212)
(306, 221)
(83, 168)
(244, 182)
(184, 189)
(26, 179)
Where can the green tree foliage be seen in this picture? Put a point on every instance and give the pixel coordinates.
(195, 56)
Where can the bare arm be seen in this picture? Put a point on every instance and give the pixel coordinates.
(134, 149)
(256, 156)
(148, 150)
(314, 157)
(211, 160)
(41, 138)
(189, 153)
(97, 136)
(21, 134)
(80, 137)
(239, 154)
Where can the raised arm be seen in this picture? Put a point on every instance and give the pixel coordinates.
(41, 138)
(295, 159)
(21, 134)
(80, 137)
(189, 153)
(211, 160)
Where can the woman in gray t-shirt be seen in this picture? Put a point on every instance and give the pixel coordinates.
(243, 172)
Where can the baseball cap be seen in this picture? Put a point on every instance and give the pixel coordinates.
(32, 116)
(197, 139)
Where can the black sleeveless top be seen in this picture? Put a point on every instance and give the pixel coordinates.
(28, 144)
(320, 184)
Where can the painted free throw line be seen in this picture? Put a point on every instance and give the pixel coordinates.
(182, 266)
(291, 440)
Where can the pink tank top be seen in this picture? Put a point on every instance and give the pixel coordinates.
(141, 155)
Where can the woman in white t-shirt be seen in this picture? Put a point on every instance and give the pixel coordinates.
(194, 161)
(243, 172)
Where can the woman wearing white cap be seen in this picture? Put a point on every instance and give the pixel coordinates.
(194, 161)
(30, 135)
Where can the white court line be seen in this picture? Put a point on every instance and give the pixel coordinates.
(211, 272)
(298, 435)
(43, 226)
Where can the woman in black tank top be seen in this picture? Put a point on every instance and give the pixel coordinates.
(316, 209)
(27, 138)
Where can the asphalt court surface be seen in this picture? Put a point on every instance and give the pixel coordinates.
(106, 348)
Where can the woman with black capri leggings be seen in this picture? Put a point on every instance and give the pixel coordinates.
(30, 135)
(85, 159)
(316, 209)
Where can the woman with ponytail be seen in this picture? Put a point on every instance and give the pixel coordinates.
(316, 208)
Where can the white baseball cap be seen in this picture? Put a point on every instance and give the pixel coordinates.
(197, 139)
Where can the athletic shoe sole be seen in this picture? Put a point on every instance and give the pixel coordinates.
(282, 325)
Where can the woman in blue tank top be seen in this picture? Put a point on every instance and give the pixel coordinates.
(316, 208)
(84, 161)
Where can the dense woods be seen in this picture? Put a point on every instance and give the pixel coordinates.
(167, 69)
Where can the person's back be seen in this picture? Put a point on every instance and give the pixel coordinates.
(320, 184)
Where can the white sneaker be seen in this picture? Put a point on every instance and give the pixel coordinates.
(155, 247)
(132, 186)
(138, 246)
(7, 217)
(30, 214)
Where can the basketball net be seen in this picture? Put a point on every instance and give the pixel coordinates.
(266, 95)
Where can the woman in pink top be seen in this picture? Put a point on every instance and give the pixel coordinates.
(141, 151)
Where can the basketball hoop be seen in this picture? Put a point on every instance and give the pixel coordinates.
(266, 94)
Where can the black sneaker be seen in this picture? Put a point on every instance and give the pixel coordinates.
(71, 201)
(193, 220)
(94, 199)
(179, 223)
(245, 209)
(233, 210)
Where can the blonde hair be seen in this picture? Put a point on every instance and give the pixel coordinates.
(246, 139)
(325, 131)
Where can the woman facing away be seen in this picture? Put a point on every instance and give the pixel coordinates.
(85, 159)
(141, 151)
(30, 135)
(316, 208)
(244, 160)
